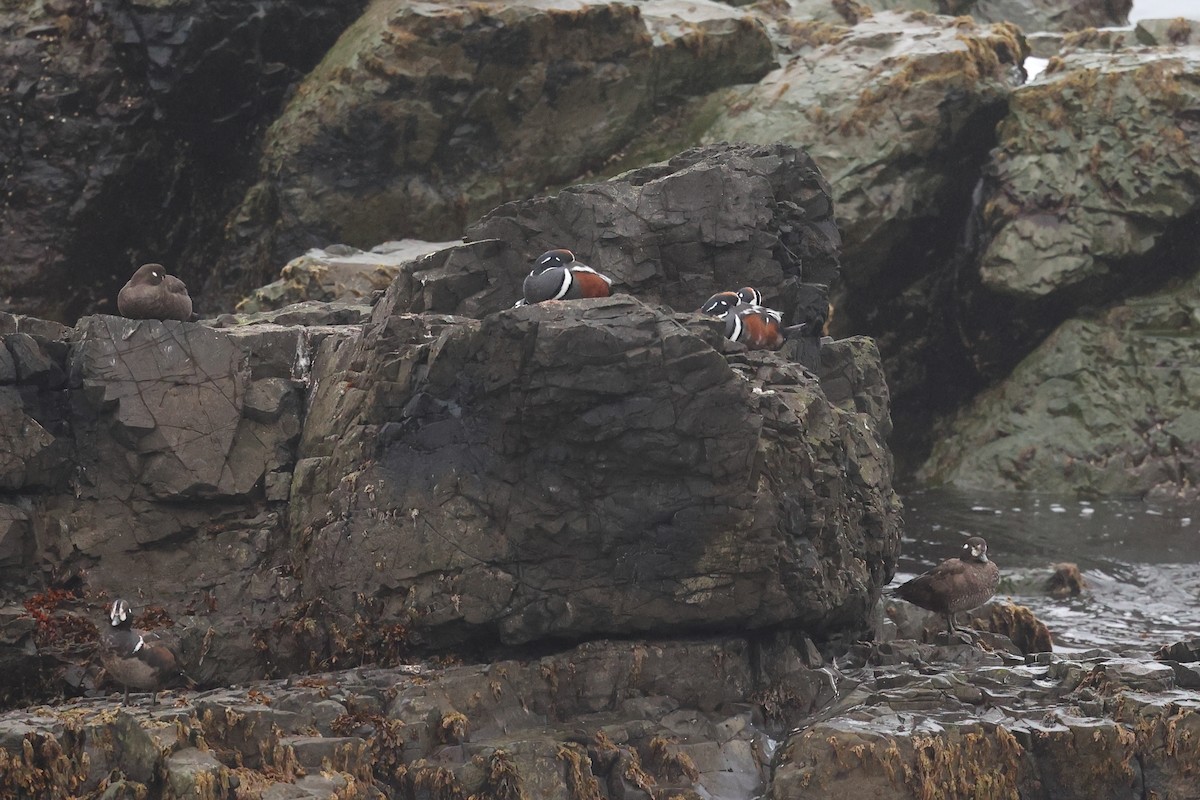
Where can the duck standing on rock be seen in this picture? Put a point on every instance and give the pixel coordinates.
(135, 658)
(153, 294)
(957, 584)
(556, 275)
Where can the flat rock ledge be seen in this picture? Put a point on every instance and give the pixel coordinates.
(720, 718)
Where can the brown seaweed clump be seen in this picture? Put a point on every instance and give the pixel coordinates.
(1066, 581)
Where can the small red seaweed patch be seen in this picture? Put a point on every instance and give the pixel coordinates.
(154, 617)
(58, 629)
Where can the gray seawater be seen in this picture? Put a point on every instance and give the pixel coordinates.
(1141, 560)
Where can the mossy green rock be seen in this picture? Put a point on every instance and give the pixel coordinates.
(1096, 171)
(1103, 406)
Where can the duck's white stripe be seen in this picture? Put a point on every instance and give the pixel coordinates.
(737, 328)
(566, 285)
(141, 643)
(586, 268)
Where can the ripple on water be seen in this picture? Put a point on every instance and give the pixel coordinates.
(1141, 560)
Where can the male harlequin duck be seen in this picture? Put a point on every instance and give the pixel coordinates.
(557, 275)
(722, 302)
(135, 658)
(756, 327)
(957, 584)
(153, 294)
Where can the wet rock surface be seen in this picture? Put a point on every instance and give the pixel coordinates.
(722, 717)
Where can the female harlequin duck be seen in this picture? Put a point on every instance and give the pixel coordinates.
(134, 658)
(557, 275)
(957, 584)
(153, 294)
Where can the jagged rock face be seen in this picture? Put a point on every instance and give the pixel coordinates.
(586, 467)
(123, 121)
(675, 233)
(1104, 406)
(425, 115)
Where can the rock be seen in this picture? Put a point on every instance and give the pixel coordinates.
(461, 107)
(717, 717)
(1119, 162)
(175, 394)
(657, 445)
(892, 109)
(1099, 408)
(126, 129)
(324, 275)
(1177, 32)
(196, 773)
(710, 218)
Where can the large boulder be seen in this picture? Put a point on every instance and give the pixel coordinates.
(425, 115)
(581, 468)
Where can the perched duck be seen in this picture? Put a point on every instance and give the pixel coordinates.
(722, 303)
(756, 327)
(134, 658)
(153, 294)
(556, 275)
(957, 584)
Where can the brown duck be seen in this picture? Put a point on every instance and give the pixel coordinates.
(153, 294)
(133, 658)
(957, 584)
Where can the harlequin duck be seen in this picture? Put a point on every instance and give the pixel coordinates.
(135, 658)
(957, 584)
(556, 275)
(756, 327)
(153, 294)
(722, 302)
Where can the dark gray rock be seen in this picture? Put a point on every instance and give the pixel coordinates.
(584, 467)
(175, 394)
(675, 233)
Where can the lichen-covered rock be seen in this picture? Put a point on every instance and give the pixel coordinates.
(893, 110)
(1104, 406)
(1094, 180)
(674, 233)
(425, 115)
(580, 468)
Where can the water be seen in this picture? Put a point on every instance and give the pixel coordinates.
(1141, 561)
